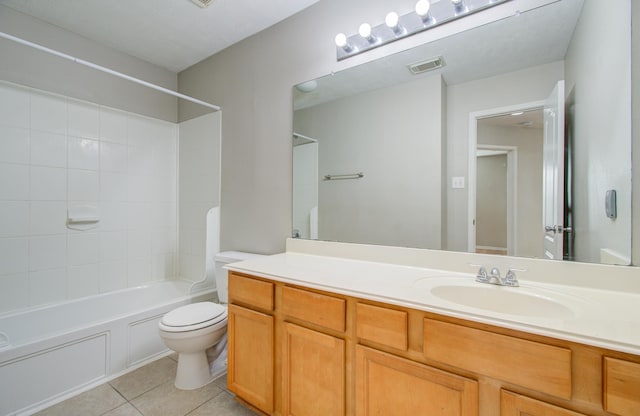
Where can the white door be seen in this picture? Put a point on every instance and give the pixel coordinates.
(553, 173)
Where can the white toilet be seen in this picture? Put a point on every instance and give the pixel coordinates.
(192, 329)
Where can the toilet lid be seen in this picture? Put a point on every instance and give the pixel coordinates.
(194, 314)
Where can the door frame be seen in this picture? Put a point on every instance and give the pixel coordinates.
(472, 166)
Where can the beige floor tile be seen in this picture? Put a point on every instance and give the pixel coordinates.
(166, 400)
(90, 403)
(124, 410)
(137, 382)
(221, 381)
(222, 405)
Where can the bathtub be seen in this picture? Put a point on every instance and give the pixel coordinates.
(49, 353)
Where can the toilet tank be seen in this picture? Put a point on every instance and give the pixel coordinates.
(222, 280)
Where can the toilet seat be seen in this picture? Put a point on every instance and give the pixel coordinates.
(193, 317)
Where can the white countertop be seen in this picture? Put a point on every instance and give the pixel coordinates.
(601, 318)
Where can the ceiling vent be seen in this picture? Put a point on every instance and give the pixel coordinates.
(426, 66)
(202, 3)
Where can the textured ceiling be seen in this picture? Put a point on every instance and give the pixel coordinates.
(536, 37)
(173, 34)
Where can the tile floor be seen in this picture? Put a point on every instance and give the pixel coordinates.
(149, 391)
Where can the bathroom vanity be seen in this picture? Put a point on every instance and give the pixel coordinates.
(320, 335)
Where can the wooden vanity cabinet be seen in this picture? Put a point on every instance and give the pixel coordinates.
(393, 386)
(251, 341)
(312, 352)
(305, 352)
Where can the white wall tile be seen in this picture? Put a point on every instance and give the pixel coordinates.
(47, 217)
(14, 144)
(164, 214)
(113, 186)
(113, 157)
(138, 244)
(83, 280)
(163, 266)
(48, 149)
(113, 216)
(83, 249)
(47, 286)
(113, 276)
(113, 125)
(47, 252)
(14, 182)
(48, 113)
(138, 272)
(139, 216)
(141, 131)
(83, 185)
(140, 160)
(113, 246)
(83, 119)
(14, 105)
(14, 255)
(14, 218)
(14, 292)
(164, 240)
(48, 184)
(84, 153)
(140, 188)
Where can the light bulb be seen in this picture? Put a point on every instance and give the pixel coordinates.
(341, 40)
(391, 20)
(422, 8)
(365, 31)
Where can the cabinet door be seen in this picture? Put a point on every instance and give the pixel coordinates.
(250, 359)
(392, 386)
(313, 378)
(512, 404)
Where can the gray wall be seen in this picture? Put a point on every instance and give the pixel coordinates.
(491, 202)
(23, 65)
(397, 147)
(252, 81)
(532, 84)
(600, 51)
(529, 186)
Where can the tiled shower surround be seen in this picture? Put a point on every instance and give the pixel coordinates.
(57, 153)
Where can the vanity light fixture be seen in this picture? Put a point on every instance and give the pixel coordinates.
(425, 16)
(365, 31)
(392, 20)
(343, 43)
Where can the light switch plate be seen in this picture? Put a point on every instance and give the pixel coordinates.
(457, 182)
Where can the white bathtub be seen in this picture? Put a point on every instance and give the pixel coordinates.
(48, 353)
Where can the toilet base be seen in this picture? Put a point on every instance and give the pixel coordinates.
(193, 371)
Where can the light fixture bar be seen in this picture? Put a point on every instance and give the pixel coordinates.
(440, 12)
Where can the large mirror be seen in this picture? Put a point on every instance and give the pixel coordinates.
(519, 144)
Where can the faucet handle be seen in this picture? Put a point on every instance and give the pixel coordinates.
(482, 275)
(510, 279)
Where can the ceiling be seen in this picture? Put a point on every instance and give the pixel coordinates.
(538, 36)
(173, 34)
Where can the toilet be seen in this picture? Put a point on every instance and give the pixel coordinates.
(192, 329)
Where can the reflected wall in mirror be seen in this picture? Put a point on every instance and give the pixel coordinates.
(415, 139)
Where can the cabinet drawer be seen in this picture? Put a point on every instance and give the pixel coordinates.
(534, 365)
(516, 404)
(382, 325)
(250, 291)
(315, 308)
(621, 386)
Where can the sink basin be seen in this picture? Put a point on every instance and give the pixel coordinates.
(513, 301)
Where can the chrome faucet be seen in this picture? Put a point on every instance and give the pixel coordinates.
(494, 278)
